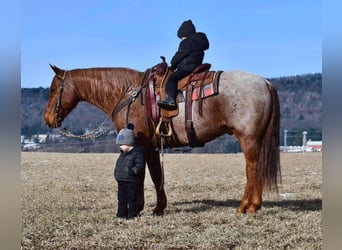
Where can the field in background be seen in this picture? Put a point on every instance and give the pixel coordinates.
(69, 201)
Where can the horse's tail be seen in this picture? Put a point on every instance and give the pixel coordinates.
(269, 160)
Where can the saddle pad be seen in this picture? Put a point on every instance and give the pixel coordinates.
(207, 90)
(197, 79)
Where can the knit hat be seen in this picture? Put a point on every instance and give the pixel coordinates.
(186, 29)
(126, 136)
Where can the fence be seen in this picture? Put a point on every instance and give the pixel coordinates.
(302, 141)
(290, 141)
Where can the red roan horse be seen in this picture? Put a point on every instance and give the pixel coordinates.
(247, 106)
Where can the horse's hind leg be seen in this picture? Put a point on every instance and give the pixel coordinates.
(252, 198)
(154, 166)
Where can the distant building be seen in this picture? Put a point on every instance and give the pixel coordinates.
(313, 146)
(35, 141)
(308, 145)
(41, 138)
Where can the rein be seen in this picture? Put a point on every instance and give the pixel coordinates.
(127, 102)
(131, 99)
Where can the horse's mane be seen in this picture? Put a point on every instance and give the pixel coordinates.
(103, 86)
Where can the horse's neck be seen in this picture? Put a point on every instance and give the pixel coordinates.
(104, 88)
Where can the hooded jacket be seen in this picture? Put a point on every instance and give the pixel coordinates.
(190, 52)
(129, 165)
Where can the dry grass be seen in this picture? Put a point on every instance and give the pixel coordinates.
(69, 202)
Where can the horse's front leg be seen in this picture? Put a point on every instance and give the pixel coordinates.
(252, 199)
(140, 193)
(154, 166)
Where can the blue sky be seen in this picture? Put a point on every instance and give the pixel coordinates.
(269, 38)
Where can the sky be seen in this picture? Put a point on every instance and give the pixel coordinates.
(268, 38)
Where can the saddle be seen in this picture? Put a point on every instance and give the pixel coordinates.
(201, 83)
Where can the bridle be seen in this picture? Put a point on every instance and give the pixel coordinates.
(59, 101)
(99, 131)
(90, 135)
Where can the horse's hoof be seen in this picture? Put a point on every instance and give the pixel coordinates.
(252, 209)
(241, 210)
(158, 212)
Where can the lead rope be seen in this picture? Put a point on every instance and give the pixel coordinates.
(162, 163)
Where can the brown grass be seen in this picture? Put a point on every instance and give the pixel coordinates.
(69, 202)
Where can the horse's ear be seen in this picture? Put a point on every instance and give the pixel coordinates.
(57, 70)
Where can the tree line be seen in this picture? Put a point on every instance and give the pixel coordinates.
(300, 104)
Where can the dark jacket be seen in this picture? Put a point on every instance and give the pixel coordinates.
(190, 52)
(129, 165)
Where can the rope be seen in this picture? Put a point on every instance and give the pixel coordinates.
(162, 162)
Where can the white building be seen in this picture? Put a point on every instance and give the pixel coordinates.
(313, 146)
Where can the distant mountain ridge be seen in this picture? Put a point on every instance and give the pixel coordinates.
(300, 99)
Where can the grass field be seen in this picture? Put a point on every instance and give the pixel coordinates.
(69, 202)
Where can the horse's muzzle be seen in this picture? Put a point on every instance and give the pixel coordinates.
(50, 122)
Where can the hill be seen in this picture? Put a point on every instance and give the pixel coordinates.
(300, 104)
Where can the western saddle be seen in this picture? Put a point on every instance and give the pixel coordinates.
(201, 83)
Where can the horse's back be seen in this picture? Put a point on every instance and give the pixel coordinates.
(247, 100)
(242, 83)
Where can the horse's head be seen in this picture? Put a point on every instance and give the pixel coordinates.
(62, 98)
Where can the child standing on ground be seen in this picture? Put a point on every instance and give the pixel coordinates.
(129, 165)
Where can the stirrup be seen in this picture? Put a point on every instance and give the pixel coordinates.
(169, 129)
(167, 104)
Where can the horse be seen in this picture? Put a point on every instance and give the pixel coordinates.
(247, 106)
